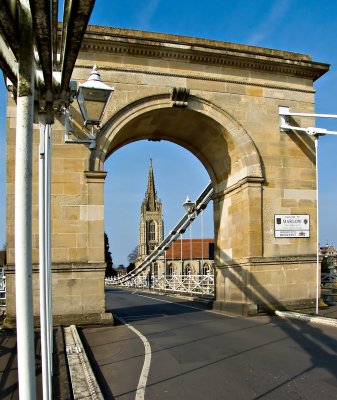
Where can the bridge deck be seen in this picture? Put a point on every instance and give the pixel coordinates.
(92, 338)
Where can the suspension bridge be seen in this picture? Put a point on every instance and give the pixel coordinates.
(191, 284)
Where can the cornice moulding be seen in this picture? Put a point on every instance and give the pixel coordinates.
(202, 51)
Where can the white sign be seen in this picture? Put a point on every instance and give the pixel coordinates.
(291, 225)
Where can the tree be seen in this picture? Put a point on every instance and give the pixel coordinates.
(130, 267)
(133, 255)
(109, 270)
(326, 262)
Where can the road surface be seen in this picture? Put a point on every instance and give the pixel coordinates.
(187, 352)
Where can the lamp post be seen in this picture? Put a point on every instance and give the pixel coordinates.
(92, 97)
(190, 208)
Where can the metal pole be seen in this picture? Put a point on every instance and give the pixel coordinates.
(191, 243)
(317, 227)
(202, 240)
(23, 208)
(44, 255)
(165, 260)
(48, 250)
(181, 254)
(42, 261)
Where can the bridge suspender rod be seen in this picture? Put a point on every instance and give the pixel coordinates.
(202, 239)
(181, 254)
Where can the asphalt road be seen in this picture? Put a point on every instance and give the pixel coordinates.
(198, 354)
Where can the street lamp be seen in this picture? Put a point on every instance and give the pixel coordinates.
(92, 97)
(189, 207)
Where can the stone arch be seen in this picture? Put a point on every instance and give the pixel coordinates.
(224, 147)
(227, 152)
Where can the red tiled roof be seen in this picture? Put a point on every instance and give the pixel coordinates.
(182, 249)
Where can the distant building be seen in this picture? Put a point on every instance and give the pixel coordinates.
(185, 256)
(328, 252)
(121, 271)
(151, 227)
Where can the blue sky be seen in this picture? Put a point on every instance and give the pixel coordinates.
(303, 26)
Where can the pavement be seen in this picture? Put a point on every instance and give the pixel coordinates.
(9, 368)
(61, 389)
(326, 316)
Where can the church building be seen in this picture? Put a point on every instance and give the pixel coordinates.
(151, 228)
(185, 256)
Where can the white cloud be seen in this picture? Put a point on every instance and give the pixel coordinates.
(271, 22)
(147, 10)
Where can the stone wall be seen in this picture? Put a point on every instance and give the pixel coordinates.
(229, 120)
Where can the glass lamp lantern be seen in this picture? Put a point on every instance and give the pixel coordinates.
(189, 206)
(93, 97)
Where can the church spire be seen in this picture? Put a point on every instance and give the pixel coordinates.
(151, 195)
(151, 227)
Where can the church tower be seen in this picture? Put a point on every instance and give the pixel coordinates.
(151, 228)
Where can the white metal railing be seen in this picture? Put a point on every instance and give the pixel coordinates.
(187, 284)
(200, 204)
(329, 286)
(2, 287)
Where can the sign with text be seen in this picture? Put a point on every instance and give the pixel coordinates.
(292, 226)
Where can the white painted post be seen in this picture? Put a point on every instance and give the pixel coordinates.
(181, 254)
(42, 262)
(23, 208)
(202, 241)
(23, 248)
(46, 328)
(318, 280)
(48, 249)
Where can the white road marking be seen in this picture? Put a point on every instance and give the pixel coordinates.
(140, 394)
(222, 313)
(147, 362)
(133, 318)
(152, 298)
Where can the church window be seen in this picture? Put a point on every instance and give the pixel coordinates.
(205, 269)
(170, 270)
(151, 231)
(188, 269)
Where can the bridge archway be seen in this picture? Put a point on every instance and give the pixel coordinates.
(219, 101)
(227, 152)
